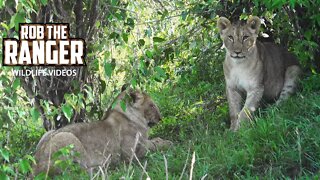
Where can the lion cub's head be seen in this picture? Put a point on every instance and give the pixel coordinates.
(239, 38)
(143, 103)
(140, 105)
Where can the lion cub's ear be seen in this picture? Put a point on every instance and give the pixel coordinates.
(253, 24)
(137, 97)
(223, 24)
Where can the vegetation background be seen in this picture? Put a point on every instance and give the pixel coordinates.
(171, 49)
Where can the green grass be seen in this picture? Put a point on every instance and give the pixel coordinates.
(282, 142)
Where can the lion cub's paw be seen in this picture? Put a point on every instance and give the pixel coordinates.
(161, 144)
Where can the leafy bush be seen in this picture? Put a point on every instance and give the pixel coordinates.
(172, 50)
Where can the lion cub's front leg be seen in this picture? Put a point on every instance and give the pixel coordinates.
(254, 96)
(253, 99)
(234, 100)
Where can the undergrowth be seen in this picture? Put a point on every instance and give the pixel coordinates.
(282, 142)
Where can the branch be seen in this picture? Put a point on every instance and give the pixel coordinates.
(92, 19)
(9, 10)
(117, 7)
(295, 22)
(62, 14)
(78, 11)
(158, 20)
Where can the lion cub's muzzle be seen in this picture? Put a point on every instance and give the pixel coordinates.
(153, 123)
(237, 55)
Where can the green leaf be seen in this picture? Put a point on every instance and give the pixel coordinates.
(67, 111)
(35, 114)
(16, 19)
(3, 176)
(277, 3)
(25, 166)
(103, 85)
(41, 176)
(44, 2)
(114, 2)
(308, 34)
(130, 22)
(14, 98)
(142, 67)
(30, 158)
(1, 4)
(108, 69)
(160, 71)
(164, 14)
(123, 105)
(148, 32)
(157, 78)
(98, 24)
(292, 3)
(114, 104)
(149, 54)
(11, 116)
(158, 39)
(16, 83)
(5, 25)
(141, 42)
(113, 35)
(119, 16)
(5, 154)
(125, 37)
(160, 74)
(134, 82)
(184, 15)
(244, 17)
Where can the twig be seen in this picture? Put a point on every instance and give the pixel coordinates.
(144, 170)
(192, 164)
(204, 177)
(9, 10)
(166, 166)
(145, 167)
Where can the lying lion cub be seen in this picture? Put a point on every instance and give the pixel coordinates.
(116, 137)
(254, 70)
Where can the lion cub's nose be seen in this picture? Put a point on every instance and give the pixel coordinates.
(151, 124)
(237, 52)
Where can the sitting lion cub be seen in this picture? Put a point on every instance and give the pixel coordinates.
(253, 69)
(115, 138)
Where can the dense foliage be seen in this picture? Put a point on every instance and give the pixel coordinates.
(172, 50)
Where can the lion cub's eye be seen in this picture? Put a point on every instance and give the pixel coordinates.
(245, 37)
(230, 38)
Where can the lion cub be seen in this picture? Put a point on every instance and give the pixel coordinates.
(253, 69)
(117, 137)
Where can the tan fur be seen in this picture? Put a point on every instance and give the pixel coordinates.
(111, 140)
(253, 70)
